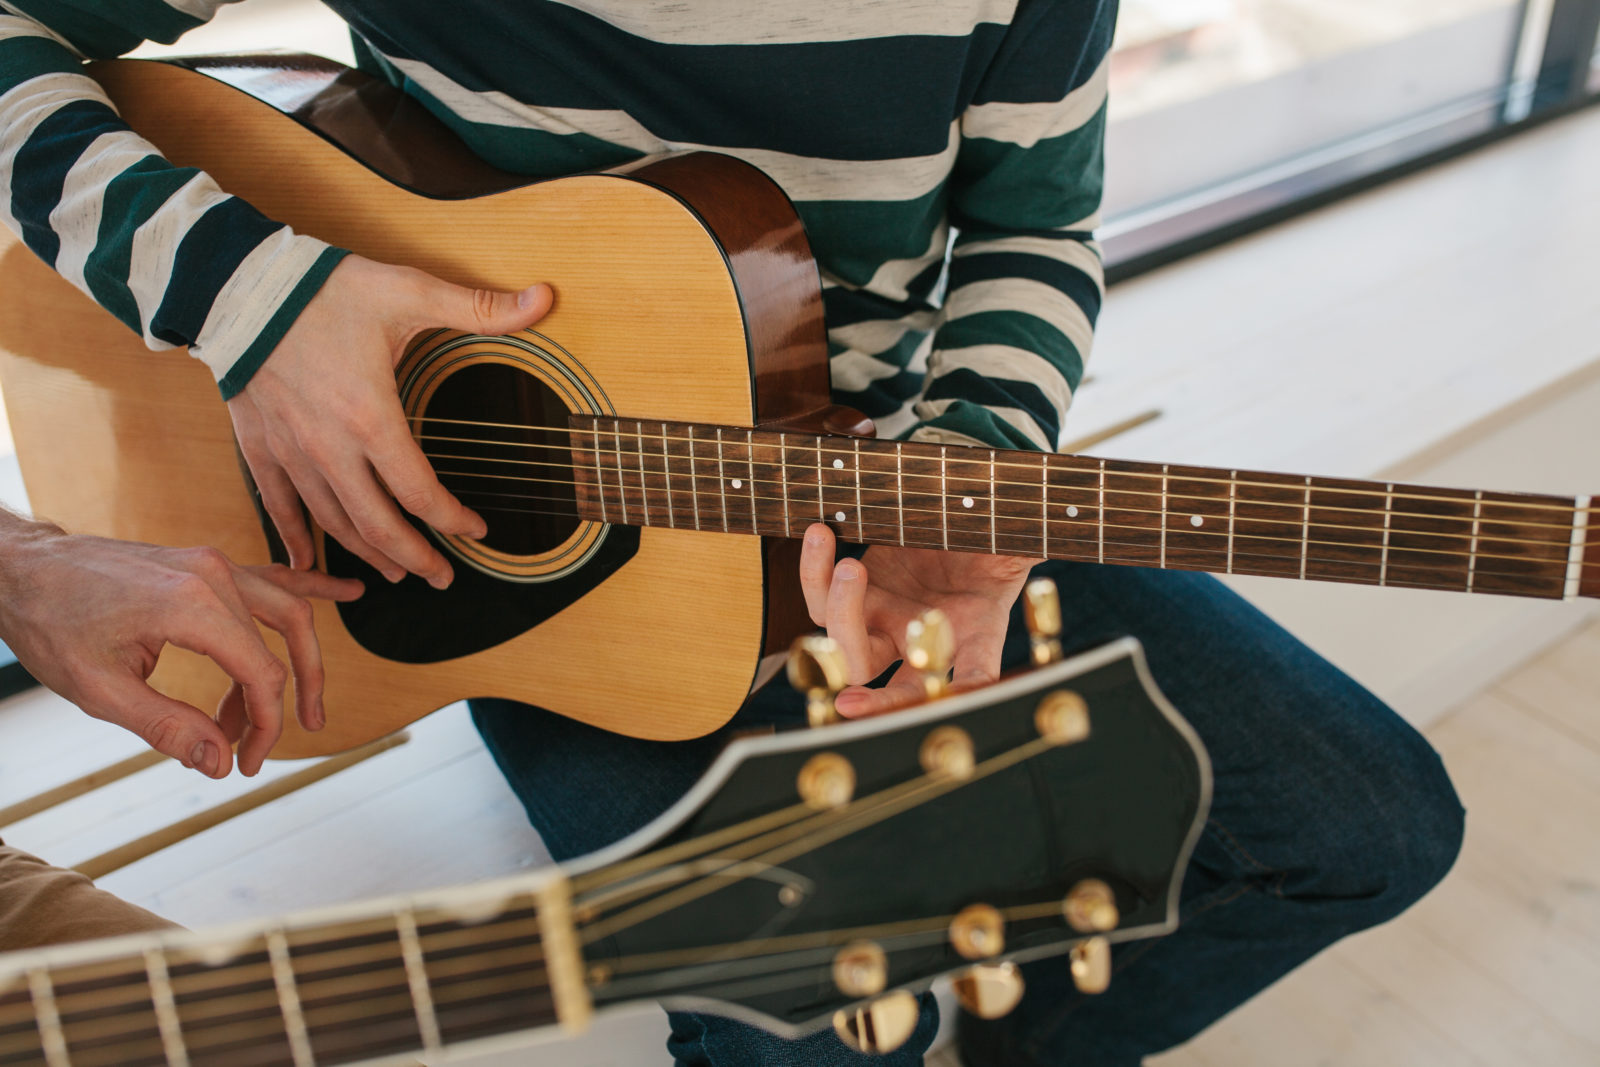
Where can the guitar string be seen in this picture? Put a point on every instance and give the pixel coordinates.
(1088, 491)
(1295, 481)
(1561, 558)
(1091, 545)
(1563, 542)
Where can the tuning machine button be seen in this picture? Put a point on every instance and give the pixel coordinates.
(1090, 907)
(947, 753)
(1042, 608)
(1090, 961)
(1062, 717)
(978, 932)
(817, 669)
(987, 990)
(826, 781)
(930, 648)
(878, 1026)
(861, 969)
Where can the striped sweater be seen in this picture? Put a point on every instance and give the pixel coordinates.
(945, 156)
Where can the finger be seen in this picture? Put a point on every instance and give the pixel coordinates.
(401, 464)
(904, 688)
(292, 617)
(237, 648)
(282, 504)
(309, 583)
(170, 727)
(485, 311)
(377, 521)
(231, 714)
(331, 516)
(816, 570)
(977, 658)
(845, 615)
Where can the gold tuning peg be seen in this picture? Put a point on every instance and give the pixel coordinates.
(817, 669)
(987, 990)
(1091, 965)
(930, 648)
(878, 1026)
(1042, 606)
(1091, 907)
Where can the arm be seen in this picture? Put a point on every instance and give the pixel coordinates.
(89, 616)
(183, 263)
(1025, 286)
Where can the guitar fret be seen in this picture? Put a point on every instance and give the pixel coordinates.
(722, 481)
(750, 460)
(1580, 525)
(994, 545)
(599, 475)
(47, 1018)
(622, 483)
(666, 474)
(861, 519)
(822, 508)
(1472, 550)
(783, 480)
(417, 978)
(1102, 518)
(166, 1008)
(1233, 503)
(1305, 530)
(944, 498)
(694, 481)
(900, 492)
(1165, 513)
(289, 998)
(1388, 515)
(1044, 506)
(644, 492)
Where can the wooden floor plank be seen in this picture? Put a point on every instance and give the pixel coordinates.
(1563, 686)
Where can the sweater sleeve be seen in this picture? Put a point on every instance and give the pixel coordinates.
(160, 247)
(1025, 282)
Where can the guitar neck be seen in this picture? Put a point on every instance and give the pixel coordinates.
(377, 981)
(773, 483)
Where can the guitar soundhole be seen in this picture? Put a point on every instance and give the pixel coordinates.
(497, 437)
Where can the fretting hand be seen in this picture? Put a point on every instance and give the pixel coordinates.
(88, 617)
(321, 419)
(865, 605)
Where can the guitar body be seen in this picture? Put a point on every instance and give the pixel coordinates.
(685, 291)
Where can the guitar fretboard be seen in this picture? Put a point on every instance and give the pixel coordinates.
(737, 480)
(329, 993)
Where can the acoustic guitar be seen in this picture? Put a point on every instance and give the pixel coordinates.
(647, 455)
(816, 876)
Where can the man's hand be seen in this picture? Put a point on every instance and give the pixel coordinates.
(865, 605)
(89, 616)
(321, 419)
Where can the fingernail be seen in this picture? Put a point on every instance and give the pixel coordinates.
(319, 716)
(526, 297)
(394, 576)
(204, 757)
(441, 581)
(813, 536)
(847, 573)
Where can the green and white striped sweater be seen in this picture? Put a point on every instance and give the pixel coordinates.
(945, 156)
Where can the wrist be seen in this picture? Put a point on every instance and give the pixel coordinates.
(23, 541)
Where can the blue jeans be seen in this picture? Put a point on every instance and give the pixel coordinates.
(1330, 815)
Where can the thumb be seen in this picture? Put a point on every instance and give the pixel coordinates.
(173, 728)
(487, 311)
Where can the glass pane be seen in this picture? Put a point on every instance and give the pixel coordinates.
(1204, 91)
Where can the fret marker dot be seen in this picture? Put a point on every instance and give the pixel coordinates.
(737, 484)
(1072, 511)
(838, 464)
(1195, 520)
(966, 501)
(838, 516)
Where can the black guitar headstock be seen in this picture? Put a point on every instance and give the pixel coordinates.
(810, 874)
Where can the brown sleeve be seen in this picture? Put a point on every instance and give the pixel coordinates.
(45, 905)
